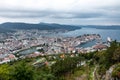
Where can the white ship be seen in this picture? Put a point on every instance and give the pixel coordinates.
(109, 39)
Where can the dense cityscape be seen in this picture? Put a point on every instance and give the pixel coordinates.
(21, 40)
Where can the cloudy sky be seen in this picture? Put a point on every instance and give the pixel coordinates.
(80, 12)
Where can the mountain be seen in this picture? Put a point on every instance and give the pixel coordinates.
(113, 27)
(4, 30)
(41, 26)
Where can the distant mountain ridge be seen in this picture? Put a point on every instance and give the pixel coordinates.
(9, 26)
(113, 27)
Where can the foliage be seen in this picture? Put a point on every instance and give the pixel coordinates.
(4, 72)
(116, 55)
(88, 56)
(116, 72)
(22, 71)
(43, 74)
(41, 50)
(63, 66)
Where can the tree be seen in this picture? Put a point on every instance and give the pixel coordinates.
(116, 55)
(43, 75)
(22, 71)
(4, 72)
(109, 53)
(62, 67)
(41, 50)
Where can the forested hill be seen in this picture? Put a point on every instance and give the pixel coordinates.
(41, 26)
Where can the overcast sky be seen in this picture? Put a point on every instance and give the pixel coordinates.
(80, 12)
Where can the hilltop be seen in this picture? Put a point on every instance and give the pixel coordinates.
(10, 26)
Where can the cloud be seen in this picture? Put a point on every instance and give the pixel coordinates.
(24, 14)
(61, 11)
(49, 14)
